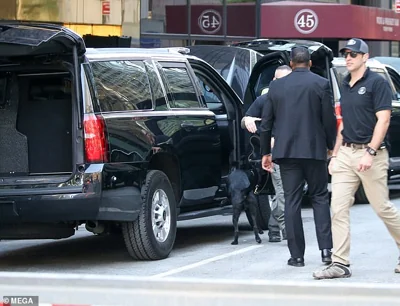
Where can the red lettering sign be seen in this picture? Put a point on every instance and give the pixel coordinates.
(397, 7)
(105, 8)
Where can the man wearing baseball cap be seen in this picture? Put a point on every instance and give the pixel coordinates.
(360, 155)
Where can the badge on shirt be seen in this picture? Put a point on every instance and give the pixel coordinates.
(362, 90)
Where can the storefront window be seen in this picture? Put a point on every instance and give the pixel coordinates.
(203, 21)
(154, 16)
(395, 50)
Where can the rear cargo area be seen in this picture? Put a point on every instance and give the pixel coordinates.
(35, 123)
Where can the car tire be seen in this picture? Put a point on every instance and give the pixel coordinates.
(360, 196)
(264, 211)
(152, 235)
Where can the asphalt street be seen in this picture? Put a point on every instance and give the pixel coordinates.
(203, 250)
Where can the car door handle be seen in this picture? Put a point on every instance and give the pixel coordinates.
(187, 125)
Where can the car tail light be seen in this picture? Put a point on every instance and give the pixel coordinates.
(95, 140)
(338, 113)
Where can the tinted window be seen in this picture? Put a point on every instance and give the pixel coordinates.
(181, 91)
(265, 79)
(395, 79)
(210, 95)
(158, 94)
(232, 63)
(122, 85)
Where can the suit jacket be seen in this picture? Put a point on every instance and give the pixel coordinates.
(300, 107)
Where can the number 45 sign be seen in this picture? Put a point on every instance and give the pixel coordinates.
(306, 21)
(210, 21)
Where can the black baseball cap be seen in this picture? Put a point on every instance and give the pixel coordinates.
(356, 45)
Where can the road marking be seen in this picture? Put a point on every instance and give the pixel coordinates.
(206, 261)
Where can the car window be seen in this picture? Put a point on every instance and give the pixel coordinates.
(158, 94)
(233, 64)
(209, 95)
(395, 77)
(180, 89)
(122, 85)
(265, 79)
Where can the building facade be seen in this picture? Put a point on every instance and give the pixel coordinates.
(164, 23)
(95, 17)
(333, 22)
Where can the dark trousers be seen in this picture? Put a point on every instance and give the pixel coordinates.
(294, 173)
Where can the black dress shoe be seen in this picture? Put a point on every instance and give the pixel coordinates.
(326, 255)
(296, 262)
(275, 238)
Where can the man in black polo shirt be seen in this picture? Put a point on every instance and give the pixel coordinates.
(360, 155)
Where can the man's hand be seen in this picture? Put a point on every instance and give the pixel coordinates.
(330, 166)
(365, 162)
(267, 164)
(250, 123)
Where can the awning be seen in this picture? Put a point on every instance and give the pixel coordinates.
(305, 20)
(288, 19)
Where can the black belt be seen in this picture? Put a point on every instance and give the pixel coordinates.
(360, 145)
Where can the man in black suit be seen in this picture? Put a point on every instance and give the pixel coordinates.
(300, 109)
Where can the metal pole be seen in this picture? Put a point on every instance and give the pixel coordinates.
(224, 18)
(258, 18)
(189, 21)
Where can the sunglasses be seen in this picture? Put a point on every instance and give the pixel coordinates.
(353, 54)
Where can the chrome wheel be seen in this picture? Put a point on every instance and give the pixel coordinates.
(160, 215)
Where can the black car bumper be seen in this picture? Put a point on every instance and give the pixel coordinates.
(90, 200)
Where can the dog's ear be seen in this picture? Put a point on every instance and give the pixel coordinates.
(234, 166)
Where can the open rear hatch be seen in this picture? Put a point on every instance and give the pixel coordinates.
(37, 101)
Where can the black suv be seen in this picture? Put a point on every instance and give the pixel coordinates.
(128, 140)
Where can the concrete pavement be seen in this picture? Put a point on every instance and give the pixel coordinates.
(203, 250)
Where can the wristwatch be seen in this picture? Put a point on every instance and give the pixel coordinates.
(371, 151)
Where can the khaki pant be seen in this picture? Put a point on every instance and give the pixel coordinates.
(345, 182)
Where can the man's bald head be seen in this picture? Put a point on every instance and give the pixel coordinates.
(282, 71)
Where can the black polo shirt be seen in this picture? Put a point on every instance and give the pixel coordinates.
(360, 103)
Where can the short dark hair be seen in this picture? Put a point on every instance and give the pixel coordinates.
(300, 55)
(283, 68)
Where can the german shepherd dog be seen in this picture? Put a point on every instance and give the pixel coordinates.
(241, 185)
